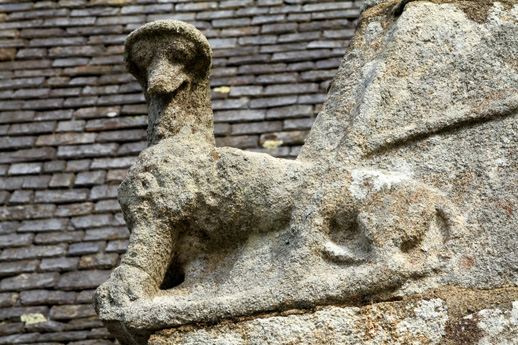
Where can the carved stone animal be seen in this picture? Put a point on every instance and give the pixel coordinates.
(219, 232)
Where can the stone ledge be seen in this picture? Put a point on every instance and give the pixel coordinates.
(448, 315)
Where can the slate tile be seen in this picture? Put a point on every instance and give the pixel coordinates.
(256, 127)
(83, 279)
(131, 148)
(58, 264)
(242, 141)
(4, 196)
(291, 89)
(62, 114)
(288, 138)
(63, 336)
(30, 128)
(117, 246)
(92, 221)
(111, 233)
(26, 212)
(278, 28)
(239, 115)
(290, 111)
(134, 109)
(78, 165)
(312, 98)
(62, 180)
(117, 175)
(86, 248)
(53, 166)
(98, 261)
(45, 327)
(33, 252)
(104, 192)
(116, 123)
(21, 197)
(15, 240)
(84, 323)
(280, 78)
(25, 168)
(8, 227)
(297, 56)
(59, 237)
(272, 101)
(89, 178)
(230, 103)
(8, 299)
(78, 209)
(19, 338)
(71, 126)
(38, 297)
(7, 328)
(93, 150)
(124, 136)
(305, 123)
(17, 267)
(59, 196)
(36, 182)
(113, 163)
(107, 205)
(27, 281)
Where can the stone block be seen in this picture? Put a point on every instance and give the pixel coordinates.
(26, 281)
(62, 180)
(98, 261)
(83, 279)
(88, 178)
(15, 240)
(58, 264)
(17, 267)
(38, 297)
(61, 196)
(92, 221)
(78, 209)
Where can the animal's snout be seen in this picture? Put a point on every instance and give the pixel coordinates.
(165, 77)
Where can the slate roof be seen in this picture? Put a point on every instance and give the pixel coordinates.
(72, 121)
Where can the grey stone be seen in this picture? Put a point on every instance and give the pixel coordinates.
(67, 312)
(32, 252)
(58, 264)
(17, 267)
(86, 248)
(404, 186)
(29, 281)
(8, 299)
(15, 240)
(36, 297)
(43, 225)
(83, 279)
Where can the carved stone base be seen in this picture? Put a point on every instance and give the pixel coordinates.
(443, 316)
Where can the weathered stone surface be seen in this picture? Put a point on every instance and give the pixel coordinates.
(404, 185)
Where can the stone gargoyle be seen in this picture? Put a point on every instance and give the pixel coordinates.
(386, 198)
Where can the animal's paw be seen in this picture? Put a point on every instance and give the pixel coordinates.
(125, 286)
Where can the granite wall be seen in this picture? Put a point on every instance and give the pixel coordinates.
(72, 121)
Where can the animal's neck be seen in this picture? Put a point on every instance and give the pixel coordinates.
(184, 114)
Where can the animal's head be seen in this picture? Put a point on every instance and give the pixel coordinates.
(167, 54)
(171, 60)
